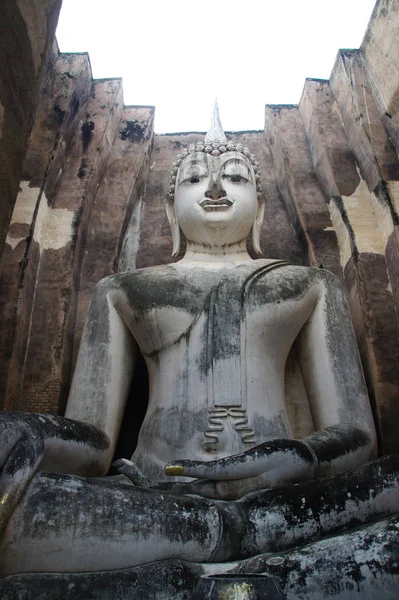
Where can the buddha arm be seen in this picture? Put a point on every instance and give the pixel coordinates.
(83, 443)
(104, 370)
(345, 435)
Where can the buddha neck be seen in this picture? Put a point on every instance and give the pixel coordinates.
(200, 253)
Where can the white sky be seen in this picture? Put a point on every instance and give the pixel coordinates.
(178, 54)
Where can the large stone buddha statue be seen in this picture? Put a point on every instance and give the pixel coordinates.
(217, 476)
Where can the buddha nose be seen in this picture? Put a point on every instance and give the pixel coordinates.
(215, 190)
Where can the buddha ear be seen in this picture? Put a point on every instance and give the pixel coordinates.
(257, 226)
(174, 225)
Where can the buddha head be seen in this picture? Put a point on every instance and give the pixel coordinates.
(215, 195)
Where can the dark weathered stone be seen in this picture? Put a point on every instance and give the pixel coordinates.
(167, 580)
(360, 564)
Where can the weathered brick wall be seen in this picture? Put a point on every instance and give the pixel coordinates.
(83, 173)
(92, 201)
(27, 29)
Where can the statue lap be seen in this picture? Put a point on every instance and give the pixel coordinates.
(332, 568)
(57, 518)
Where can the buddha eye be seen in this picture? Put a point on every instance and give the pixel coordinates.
(235, 178)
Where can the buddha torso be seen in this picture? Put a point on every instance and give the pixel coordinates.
(185, 417)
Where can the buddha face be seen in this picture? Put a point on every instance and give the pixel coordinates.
(216, 201)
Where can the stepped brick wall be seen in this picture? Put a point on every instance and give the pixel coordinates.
(27, 29)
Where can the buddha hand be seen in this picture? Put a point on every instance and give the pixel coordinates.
(272, 464)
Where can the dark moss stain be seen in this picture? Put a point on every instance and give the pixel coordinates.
(97, 340)
(382, 192)
(164, 286)
(135, 131)
(74, 106)
(225, 321)
(336, 441)
(291, 283)
(59, 114)
(267, 429)
(341, 342)
(87, 132)
(82, 168)
(67, 75)
(175, 145)
(277, 108)
(340, 205)
(175, 425)
(77, 215)
(66, 293)
(62, 503)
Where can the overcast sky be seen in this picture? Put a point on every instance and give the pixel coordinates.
(178, 55)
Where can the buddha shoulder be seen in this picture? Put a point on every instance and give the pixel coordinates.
(291, 282)
(161, 286)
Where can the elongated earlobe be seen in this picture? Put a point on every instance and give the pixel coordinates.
(257, 226)
(174, 225)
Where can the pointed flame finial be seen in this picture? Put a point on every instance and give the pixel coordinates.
(215, 132)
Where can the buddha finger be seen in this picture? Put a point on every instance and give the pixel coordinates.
(125, 467)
